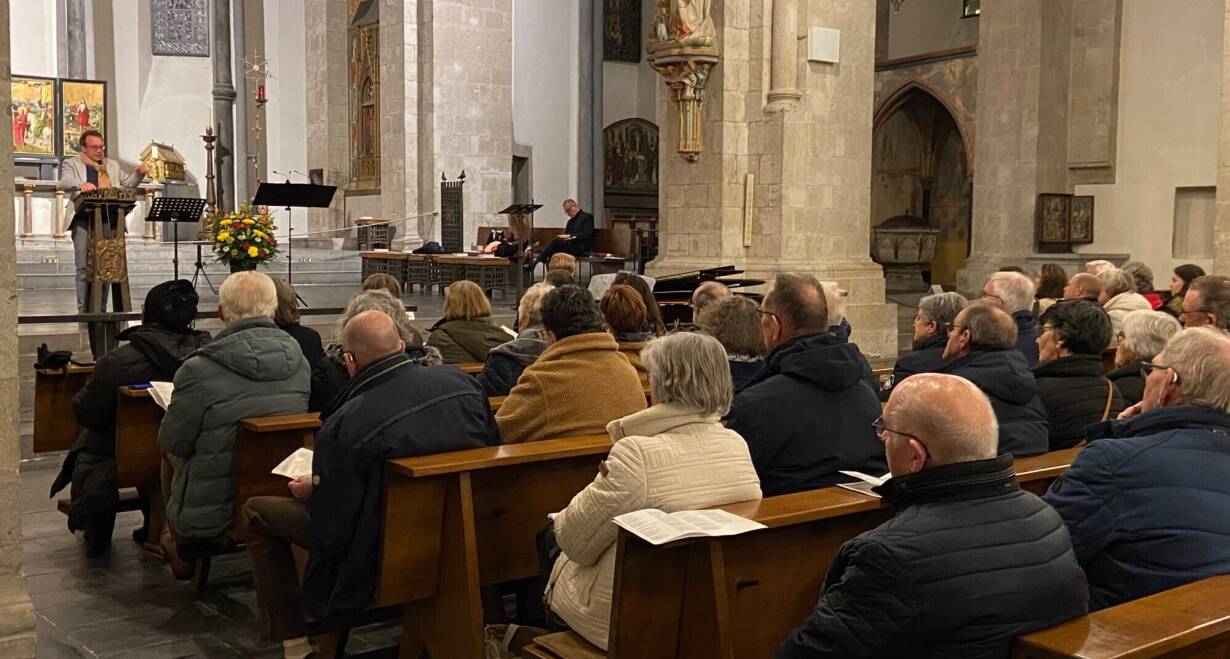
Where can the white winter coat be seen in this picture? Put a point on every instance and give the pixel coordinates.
(665, 457)
(1119, 306)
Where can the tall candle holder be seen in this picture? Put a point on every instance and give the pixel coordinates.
(211, 196)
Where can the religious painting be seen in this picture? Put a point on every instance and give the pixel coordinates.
(34, 116)
(621, 31)
(631, 157)
(1052, 217)
(83, 106)
(971, 8)
(365, 106)
(1080, 229)
(179, 28)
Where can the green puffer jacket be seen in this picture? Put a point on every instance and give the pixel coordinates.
(251, 369)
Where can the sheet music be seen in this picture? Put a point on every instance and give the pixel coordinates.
(296, 465)
(657, 527)
(161, 393)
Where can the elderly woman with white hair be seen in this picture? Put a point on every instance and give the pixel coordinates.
(1143, 337)
(674, 456)
(1119, 297)
(506, 361)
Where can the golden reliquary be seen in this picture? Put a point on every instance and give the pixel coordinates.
(164, 163)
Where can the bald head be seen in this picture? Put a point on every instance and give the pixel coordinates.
(370, 336)
(948, 414)
(983, 326)
(1083, 284)
(707, 293)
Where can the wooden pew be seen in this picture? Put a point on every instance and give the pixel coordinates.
(455, 522)
(55, 425)
(740, 596)
(1189, 621)
(473, 368)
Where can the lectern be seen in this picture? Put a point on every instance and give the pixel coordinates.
(106, 254)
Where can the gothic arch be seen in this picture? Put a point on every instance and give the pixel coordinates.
(901, 93)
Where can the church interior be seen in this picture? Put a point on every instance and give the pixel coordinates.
(877, 160)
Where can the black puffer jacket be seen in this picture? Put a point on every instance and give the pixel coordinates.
(152, 353)
(1075, 396)
(506, 361)
(1129, 382)
(1027, 336)
(329, 376)
(392, 408)
(968, 562)
(928, 358)
(1003, 376)
(807, 414)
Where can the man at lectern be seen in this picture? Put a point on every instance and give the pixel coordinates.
(92, 170)
(577, 239)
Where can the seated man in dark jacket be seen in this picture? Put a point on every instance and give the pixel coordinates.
(936, 313)
(391, 409)
(577, 238)
(506, 361)
(1070, 380)
(1146, 501)
(1014, 293)
(982, 349)
(807, 414)
(935, 580)
(155, 349)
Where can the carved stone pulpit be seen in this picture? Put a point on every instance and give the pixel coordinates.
(106, 254)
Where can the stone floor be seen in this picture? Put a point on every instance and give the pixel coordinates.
(125, 606)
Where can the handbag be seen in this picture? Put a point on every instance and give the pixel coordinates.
(1110, 396)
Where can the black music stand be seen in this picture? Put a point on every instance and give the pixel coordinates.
(520, 228)
(173, 210)
(293, 195)
(200, 269)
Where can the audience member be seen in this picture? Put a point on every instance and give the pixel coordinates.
(1143, 337)
(707, 293)
(1207, 303)
(465, 333)
(1143, 276)
(251, 368)
(153, 352)
(1070, 381)
(382, 282)
(935, 580)
(1014, 293)
(982, 349)
(330, 377)
(1083, 286)
(1182, 278)
(506, 361)
(653, 314)
(935, 316)
(555, 396)
(286, 317)
(807, 414)
(734, 322)
(558, 278)
(563, 261)
(1097, 266)
(392, 410)
(673, 456)
(1146, 500)
(623, 311)
(1119, 297)
(1049, 285)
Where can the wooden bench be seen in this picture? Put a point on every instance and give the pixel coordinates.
(1189, 621)
(472, 368)
(740, 596)
(55, 424)
(455, 522)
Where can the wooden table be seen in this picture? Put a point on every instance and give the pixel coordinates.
(489, 272)
(55, 424)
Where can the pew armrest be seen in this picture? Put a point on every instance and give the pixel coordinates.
(263, 424)
(129, 392)
(501, 456)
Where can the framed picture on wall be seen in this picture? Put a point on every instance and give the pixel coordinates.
(1080, 228)
(35, 119)
(1051, 217)
(83, 106)
(971, 8)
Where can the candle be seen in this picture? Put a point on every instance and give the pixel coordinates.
(211, 118)
(260, 93)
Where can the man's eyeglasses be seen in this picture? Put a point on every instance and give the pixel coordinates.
(883, 430)
(1148, 367)
(957, 328)
(769, 314)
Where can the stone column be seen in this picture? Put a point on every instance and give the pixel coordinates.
(16, 612)
(399, 98)
(811, 207)
(784, 72)
(224, 103)
(1221, 226)
(240, 156)
(75, 39)
(326, 104)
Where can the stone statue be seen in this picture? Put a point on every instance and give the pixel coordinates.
(683, 24)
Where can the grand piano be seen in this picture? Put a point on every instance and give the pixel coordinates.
(675, 291)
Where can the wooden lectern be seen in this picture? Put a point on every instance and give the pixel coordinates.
(106, 256)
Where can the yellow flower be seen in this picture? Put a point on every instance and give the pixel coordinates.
(253, 252)
(249, 221)
(258, 233)
(222, 235)
(230, 239)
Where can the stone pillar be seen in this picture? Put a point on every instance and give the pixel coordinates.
(16, 612)
(811, 207)
(75, 39)
(591, 166)
(784, 72)
(399, 98)
(224, 103)
(1221, 226)
(240, 51)
(326, 104)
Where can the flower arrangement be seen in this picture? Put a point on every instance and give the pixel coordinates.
(244, 238)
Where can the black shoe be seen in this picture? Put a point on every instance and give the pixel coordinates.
(96, 544)
(140, 536)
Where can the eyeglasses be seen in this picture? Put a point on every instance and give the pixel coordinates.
(957, 328)
(883, 430)
(1148, 367)
(769, 314)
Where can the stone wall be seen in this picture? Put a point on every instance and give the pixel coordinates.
(328, 128)
(16, 612)
(1221, 229)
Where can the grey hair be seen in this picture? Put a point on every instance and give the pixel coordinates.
(990, 327)
(382, 300)
(1098, 266)
(942, 308)
(530, 306)
(689, 370)
(1141, 274)
(1014, 288)
(248, 294)
(835, 300)
(1201, 357)
(1115, 281)
(1145, 333)
(733, 321)
(799, 299)
(951, 414)
(1214, 293)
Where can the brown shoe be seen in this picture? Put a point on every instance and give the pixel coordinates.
(183, 570)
